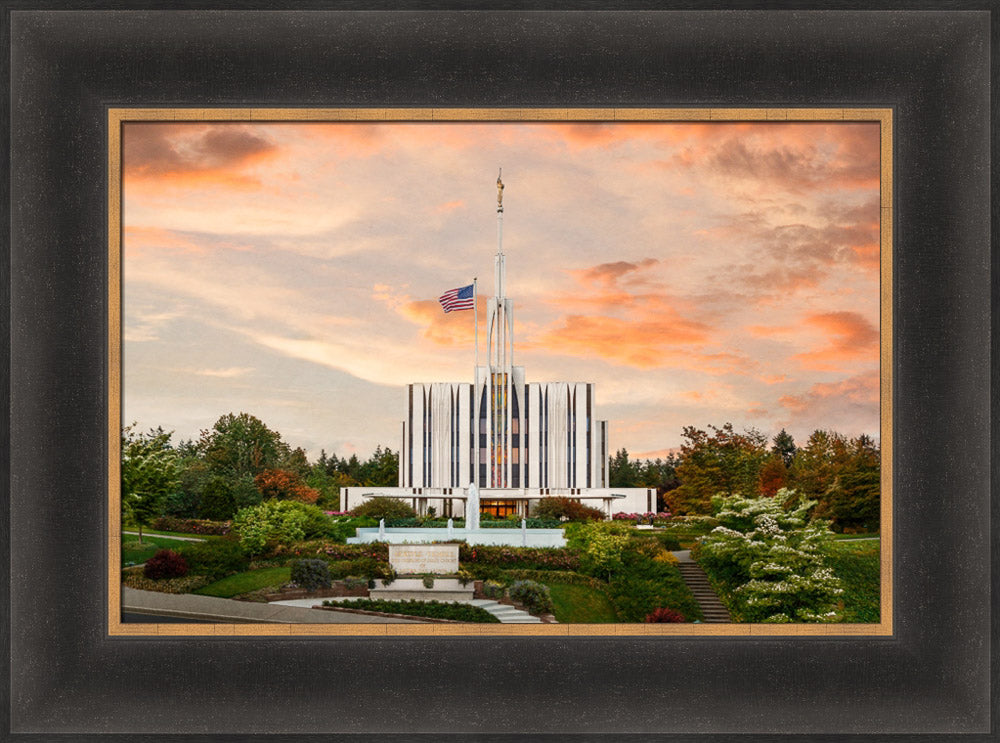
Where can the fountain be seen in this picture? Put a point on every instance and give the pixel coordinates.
(471, 533)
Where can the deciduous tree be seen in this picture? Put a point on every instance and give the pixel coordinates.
(149, 474)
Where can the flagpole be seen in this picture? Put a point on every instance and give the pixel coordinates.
(475, 314)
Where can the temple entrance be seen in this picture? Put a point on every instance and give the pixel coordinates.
(498, 508)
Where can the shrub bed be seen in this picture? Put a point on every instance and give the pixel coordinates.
(187, 584)
(430, 609)
(534, 558)
(567, 577)
(192, 526)
(330, 550)
(216, 559)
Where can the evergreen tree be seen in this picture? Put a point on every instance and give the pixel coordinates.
(621, 472)
(784, 446)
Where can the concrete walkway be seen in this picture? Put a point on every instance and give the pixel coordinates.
(164, 536)
(506, 614)
(190, 606)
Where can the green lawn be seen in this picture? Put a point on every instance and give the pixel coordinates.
(253, 580)
(578, 604)
(857, 564)
(839, 537)
(151, 544)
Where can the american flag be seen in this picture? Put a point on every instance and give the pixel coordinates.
(457, 299)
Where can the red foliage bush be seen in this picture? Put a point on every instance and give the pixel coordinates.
(165, 564)
(284, 485)
(664, 615)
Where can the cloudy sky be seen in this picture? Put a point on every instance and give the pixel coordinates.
(697, 272)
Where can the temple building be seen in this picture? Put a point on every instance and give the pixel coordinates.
(517, 440)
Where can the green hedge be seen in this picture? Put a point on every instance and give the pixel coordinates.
(432, 609)
(568, 577)
(192, 526)
(534, 558)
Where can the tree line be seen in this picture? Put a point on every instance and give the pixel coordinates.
(239, 462)
(841, 474)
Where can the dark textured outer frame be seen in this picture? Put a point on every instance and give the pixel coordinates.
(931, 680)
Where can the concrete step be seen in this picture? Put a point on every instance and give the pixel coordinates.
(708, 600)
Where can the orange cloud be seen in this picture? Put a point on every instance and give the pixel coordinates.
(608, 274)
(193, 154)
(139, 239)
(440, 327)
(641, 342)
(773, 378)
(449, 206)
(850, 337)
(579, 136)
(858, 391)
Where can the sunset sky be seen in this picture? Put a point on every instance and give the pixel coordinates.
(698, 273)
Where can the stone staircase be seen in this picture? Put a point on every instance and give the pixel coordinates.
(506, 614)
(704, 594)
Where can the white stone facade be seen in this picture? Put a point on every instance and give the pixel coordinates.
(548, 436)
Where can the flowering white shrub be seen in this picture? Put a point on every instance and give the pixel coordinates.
(772, 559)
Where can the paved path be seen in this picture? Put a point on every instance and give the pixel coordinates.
(190, 606)
(506, 614)
(165, 536)
(857, 539)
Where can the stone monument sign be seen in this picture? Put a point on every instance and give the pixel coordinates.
(409, 559)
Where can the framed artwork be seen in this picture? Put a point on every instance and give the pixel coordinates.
(641, 314)
(83, 82)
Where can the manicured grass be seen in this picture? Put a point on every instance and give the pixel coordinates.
(839, 537)
(579, 604)
(857, 564)
(253, 580)
(151, 545)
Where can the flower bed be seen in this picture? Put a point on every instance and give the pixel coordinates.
(188, 584)
(429, 609)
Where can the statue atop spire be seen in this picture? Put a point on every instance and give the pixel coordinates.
(499, 191)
